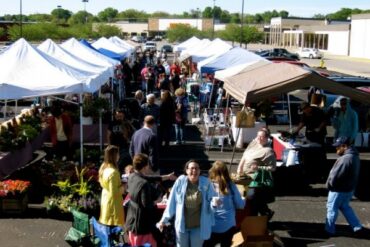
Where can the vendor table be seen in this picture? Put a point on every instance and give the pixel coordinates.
(246, 135)
(12, 161)
(311, 158)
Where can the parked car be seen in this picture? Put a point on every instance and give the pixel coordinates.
(150, 46)
(167, 48)
(310, 53)
(158, 38)
(278, 53)
(138, 39)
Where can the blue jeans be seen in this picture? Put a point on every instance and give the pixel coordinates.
(340, 201)
(191, 238)
(179, 130)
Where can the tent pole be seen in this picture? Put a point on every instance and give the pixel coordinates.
(235, 142)
(211, 94)
(100, 130)
(81, 134)
(16, 107)
(289, 112)
(4, 111)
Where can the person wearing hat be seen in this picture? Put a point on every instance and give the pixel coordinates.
(341, 183)
(315, 121)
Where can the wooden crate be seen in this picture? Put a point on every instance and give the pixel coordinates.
(14, 205)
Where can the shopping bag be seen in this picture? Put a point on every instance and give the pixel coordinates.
(245, 118)
(262, 178)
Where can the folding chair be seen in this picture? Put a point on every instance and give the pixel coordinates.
(105, 233)
(79, 233)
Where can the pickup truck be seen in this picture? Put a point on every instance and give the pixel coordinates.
(150, 46)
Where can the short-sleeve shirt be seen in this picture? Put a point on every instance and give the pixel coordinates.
(193, 205)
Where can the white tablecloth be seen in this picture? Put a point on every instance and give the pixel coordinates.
(246, 135)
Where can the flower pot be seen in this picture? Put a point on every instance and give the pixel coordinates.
(86, 120)
(16, 205)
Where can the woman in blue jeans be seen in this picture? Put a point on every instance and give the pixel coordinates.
(182, 104)
(190, 203)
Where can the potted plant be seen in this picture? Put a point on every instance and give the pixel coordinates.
(92, 107)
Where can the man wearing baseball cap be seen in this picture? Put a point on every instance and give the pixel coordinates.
(341, 184)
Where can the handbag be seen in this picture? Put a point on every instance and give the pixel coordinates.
(245, 118)
(262, 178)
(264, 183)
(178, 117)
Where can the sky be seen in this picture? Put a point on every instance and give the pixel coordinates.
(294, 7)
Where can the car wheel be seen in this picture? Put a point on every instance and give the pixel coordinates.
(310, 56)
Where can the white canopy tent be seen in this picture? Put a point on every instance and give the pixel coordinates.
(54, 50)
(82, 51)
(121, 43)
(104, 43)
(39, 74)
(216, 47)
(186, 44)
(29, 72)
(223, 74)
(193, 50)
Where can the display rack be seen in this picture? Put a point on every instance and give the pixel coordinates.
(216, 129)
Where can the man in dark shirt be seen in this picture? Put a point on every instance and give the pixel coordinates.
(119, 134)
(145, 141)
(315, 121)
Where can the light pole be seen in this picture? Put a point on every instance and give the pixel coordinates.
(59, 7)
(213, 20)
(197, 18)
(241, 24)
(20, 19)
(85, 1)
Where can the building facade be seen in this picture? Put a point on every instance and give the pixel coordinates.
(360, 36)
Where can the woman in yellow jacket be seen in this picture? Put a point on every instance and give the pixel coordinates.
(111, 209)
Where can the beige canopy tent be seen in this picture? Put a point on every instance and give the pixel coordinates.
(253, 85)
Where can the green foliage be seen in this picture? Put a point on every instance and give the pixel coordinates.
(181, 32)
(133, 14)
(232, 33)
(106, 30)
(108, 14)
(60, 15)
(160, 14)
(40, 17)
(81, 17)
(2, 31)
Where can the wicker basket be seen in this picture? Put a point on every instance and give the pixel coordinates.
(14, 205)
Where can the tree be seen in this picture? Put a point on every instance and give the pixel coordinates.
(133, 14)
(80, 17)
(35, 32)
(160, 14)
(207, 12)
(108, 14)
(225, 16)
(60, 15)
(319, 16)
(2, 31)
(40, 17)
(181, 32)
(342, 14)
(284, 14)
(232, 33)
(106, 30)
(235, 18)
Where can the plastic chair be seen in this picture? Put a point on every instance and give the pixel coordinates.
(105, 233)
(79, 233)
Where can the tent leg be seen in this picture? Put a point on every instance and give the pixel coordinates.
(289, 112)
(235, 142)
(81, 134)
(100, 130)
